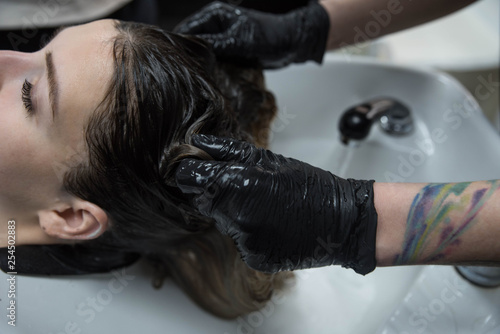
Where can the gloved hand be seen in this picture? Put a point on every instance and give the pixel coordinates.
(272, 40)
(282, 213)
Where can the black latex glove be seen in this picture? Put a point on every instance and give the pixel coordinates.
(272, 40)
(282, 213)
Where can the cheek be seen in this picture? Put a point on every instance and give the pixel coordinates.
(26, 170)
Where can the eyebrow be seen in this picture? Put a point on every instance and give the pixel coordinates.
(51, 73)
(53, 84)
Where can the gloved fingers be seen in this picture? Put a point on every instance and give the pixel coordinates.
(193, 176)
(207, 180)
(222, 43)
(211, 19)
(189, 26)
(208, 177)
(226, 149)
(199, 23)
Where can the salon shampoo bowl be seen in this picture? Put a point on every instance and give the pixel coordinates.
(452, 141)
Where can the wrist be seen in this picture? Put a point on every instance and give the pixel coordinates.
(364, 227)
(392, 202)
(353, 225)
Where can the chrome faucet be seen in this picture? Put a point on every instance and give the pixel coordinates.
(393, 116)
(488, 277)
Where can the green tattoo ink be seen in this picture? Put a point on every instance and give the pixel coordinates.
(429, 215)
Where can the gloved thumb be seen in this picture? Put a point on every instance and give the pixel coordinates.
(226, 149)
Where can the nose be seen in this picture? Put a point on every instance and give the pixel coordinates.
(13, 64)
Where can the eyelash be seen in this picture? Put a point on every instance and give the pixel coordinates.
(26, 96)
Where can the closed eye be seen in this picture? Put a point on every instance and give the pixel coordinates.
(26, 97)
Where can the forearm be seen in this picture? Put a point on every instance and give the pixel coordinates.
(353, 21)
(438, 223)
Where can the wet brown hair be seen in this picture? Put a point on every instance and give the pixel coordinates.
(165, 88)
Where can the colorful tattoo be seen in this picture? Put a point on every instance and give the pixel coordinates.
(429, 218)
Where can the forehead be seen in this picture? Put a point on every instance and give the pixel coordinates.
(83, 62)
(88, 45)
(83, 59)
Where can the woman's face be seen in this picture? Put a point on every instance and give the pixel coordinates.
(39, 139)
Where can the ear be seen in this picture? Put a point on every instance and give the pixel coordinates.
(78, 220)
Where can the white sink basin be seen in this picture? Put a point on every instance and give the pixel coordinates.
(441, 301)
(452, 142)
(324, 300)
